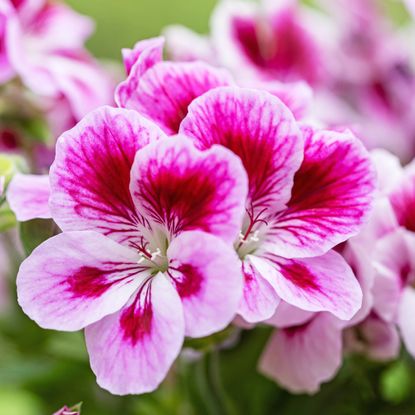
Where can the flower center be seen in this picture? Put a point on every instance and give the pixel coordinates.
(251, 235)
(152, 250)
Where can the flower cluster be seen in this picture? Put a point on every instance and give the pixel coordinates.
(46, 75)
(218, 191)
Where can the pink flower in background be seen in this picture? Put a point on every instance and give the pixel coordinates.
(372, 73)
(139, 264)
(43, 43)
(67, 411)
(304, 198)
(269, 41)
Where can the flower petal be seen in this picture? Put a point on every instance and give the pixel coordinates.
(301, 358)
(403, 199)
(374, 337)
(331, 198)
(324, 283)
(177, 186)
(288, 315)
(90, 177)
(164, 92)
(28, 196)
(406, 319)
(75, 279)
(259, 300)
(207, 276)
(146, 53)
(259, 129)
(131, 351)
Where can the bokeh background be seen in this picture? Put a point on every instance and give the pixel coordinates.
(42, 370)
(120, 23)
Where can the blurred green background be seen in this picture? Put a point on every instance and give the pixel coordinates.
(120, 23)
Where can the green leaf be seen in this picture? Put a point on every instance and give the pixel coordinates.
(36, 129)
(34, 232)
(395, 382)
(7, 218)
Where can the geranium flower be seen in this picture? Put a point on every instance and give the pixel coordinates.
(42, 42)
(162, 90)
(145, 257)
(304, 198)
(269, 41)
(307, 348)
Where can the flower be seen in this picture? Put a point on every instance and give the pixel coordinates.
(42, 42)
(269, 41)
(309, 190)
(162, 90)
(69, 411)
(145, 256)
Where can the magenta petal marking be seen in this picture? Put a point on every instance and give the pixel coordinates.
(258, 128)
(90, 177)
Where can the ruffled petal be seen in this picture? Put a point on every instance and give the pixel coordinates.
(145, 54)
(207, 275)
(331, 198)
(324, 283)
(131, 351)
(406, 321)
(259, 129)
(90, 177)
(300, 358)
(28, 196)
(259, 300)
(182, 188)
(75, 279)
(163, 93)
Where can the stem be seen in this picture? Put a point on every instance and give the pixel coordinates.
(226, 404)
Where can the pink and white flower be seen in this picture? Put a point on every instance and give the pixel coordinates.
(145, 257)
(42, 42)
(269, 41)
(163, 90)
(308, 191)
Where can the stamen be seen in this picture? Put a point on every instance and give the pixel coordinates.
(254, 237)
(155, 254)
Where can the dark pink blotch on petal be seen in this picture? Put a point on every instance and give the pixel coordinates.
(258, 128)
(165, 91)
(259, 300)
(206, 274)
(331, 197)
(90, 177)
(177, 186)
(131, 351)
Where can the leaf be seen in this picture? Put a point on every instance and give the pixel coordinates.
(34, 232)
(7, 218)
(395, 382)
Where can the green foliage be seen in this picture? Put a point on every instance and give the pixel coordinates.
(34, 232)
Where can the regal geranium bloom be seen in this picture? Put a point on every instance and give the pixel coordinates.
(267, 41)
(43, 42)
(145, 257)
(393, 259)
(308, 191)
(162, 90)
(307, 349)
